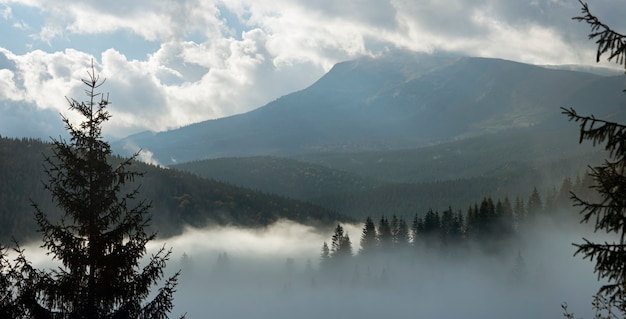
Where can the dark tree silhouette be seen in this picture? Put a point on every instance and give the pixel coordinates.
(340, 245)
(101, 238)
(403, 236)
(609, 212)
(384, 235)
(368, 237)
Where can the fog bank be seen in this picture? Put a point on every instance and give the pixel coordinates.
(274, 272)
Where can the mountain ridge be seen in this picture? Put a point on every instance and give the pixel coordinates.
(398, 101)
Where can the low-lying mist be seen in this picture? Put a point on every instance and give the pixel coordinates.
(274, 272)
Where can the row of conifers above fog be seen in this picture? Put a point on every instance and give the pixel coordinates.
(401, 100)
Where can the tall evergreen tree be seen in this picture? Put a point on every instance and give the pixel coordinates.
(432, 229)
(340, 245)
(507, 221)
(459, 231)
(403, 236)
(394, 229)
(101, 238)
(384, 233)
(417, 227)
(368, 237)
(563, 197)
(471, 222)
(447, 226)
(486, 218)
(609, 212)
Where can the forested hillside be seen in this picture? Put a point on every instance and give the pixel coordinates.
(178, 198)
(410, 181)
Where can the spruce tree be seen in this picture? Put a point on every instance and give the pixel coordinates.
(609, 212)
(417, 228)
(384, 234)
(394, 230)
(368, 237)
(446, 226)
(563, 198)
(101, 238)
(507, 221)
(459, 227)
(403, 235)
(340, 245)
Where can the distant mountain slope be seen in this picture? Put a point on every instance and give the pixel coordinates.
(398, 101)
(287, 177)
(178, 198)
(406, 182)
(472, 157)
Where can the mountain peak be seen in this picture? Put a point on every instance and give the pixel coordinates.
(398, 100)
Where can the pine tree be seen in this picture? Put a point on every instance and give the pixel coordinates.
(340, 245)
(459, 231)
(563, 198)
(609, 212)
(432, 229)
(394, 230)
(486, 219)
(403, 235)
(101, 238)
(417, 228)
(471, 222)
(368, 238)
(384, 234)
(447, 226)
(507, 221)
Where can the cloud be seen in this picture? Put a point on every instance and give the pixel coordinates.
(5, 12)
(143, 155)
(169, 64)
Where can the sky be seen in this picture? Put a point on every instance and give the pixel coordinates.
(168, 64)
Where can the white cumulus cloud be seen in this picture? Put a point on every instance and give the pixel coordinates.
(170, 64)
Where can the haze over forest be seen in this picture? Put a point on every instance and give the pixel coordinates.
(360, 175)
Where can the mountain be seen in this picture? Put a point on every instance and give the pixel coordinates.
(402, 100)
